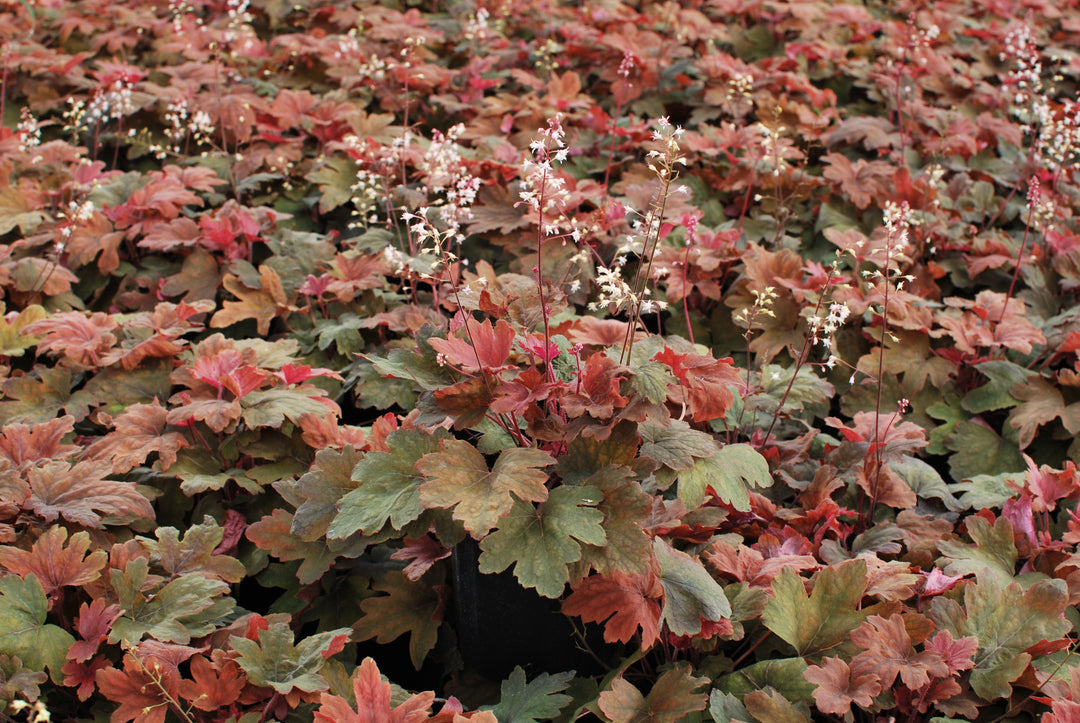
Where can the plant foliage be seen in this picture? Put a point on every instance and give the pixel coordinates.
(736, 340)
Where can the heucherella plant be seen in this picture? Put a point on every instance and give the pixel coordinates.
(639, 361)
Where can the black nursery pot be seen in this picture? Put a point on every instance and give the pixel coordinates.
(501, 624)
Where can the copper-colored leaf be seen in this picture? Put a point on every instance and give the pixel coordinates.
(137, 433)
(25, 443)
(55, 564)
(81, 494)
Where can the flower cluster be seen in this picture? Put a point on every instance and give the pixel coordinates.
(448, 176)
(477, 26)
(184, 124)
(541, 189)
(28, 130)
(365, 195)
(181, 10)
(113, 102)
(823, 329)
(74, 214)
(763, 302)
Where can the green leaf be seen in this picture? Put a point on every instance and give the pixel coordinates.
(273, 533)
(671, 699)
(375, 390)
(585, 456)
(541, 699)
(980, 450)
(1041, 403)
(1007, 621)
(335, 177)
(328, 480)
(988, 491)
(422, 368)
(388, 489)
(727, 708)
(747, 603)
(186, 607)
(12, 342)
(651, 380)
(17, 210)
(271, 407)
(541, 542)
(200, 472)
(769, 705)
(995, 393)
(949, 412)
(675, 446)
(819, 622)
(276, 662)
(785, 675)
(40, 396)
(925, 481)
(194, 553)
(993, 554)
(808, 392)
(626, 508)
(691, 595)
(23, 631)
(342, 331)
(408, 607)
(728, 473)
(119, 388)
(458, 478)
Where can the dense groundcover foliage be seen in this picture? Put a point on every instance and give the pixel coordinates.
(625, 361)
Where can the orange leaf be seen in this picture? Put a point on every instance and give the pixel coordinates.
(625, 602)
(373, 702)
(671, 698)
(263, 305)
(23, 443)
(215, 685)
(838, 685)
(55, 565)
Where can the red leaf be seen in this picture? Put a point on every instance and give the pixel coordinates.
(137, 433)
(889, 652)
(624, 603)
(937, 582)
(599, 389)
(423, 553)
(1047, 485)
(751, 566)
(235, 524)
(141, 699)
(227, 370)
(489, 350)
(294, 374)
(705, 382)
(95, 621)
(958, 654)
(81, 494)
(83, 675)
